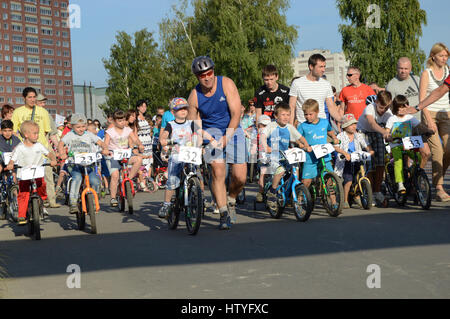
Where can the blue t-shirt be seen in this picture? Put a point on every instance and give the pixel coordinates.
(315, 134)
(166, 118)
(281, 136)
(351, 147)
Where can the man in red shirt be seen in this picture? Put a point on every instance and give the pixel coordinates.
(354, 95)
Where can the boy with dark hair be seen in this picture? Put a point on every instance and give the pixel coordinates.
(8, 141)
(270, 94)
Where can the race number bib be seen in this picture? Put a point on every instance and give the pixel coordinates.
(32, 172)
(360, 157)
(7, 157)
(122, 154)
(411, 142)
(322, 149)
(85, 158)
(192, 155)
(295, 155)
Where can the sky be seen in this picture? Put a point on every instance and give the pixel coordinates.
(316, 21)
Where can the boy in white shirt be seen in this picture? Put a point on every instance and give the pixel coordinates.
(401, 126)
(29, 153)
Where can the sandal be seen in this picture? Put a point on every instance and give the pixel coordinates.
(442, 196)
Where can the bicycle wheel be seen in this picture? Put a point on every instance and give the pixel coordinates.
(423, 189)
(35, 218)
(129, 195)
(81, 217)
(303, 206)
(281, 203)
(13, 204)
(91, 212)
(173, 216)
(366, 194)
(194, 210)
(3, 209)
(333, 198)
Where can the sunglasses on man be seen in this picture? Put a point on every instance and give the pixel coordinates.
(204, 75)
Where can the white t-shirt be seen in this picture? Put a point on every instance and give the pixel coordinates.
(26, 156)
(304, 89)
(363, 124)
(401, 126)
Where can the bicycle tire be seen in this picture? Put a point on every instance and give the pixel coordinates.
(173, 215)
(423, 189)
(91, 212)
(278, 212)
(3, 209)
(13, 204)
(129, 195)
(302, 193)
(194, 210)
(338, 190)
(35, 220)
(366, 194)
(120, 198)
(81, 217)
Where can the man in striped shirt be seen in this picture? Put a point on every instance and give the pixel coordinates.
(312, 86)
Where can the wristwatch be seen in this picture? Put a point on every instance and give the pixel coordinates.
(417, 107)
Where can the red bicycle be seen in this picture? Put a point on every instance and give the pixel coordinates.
(125, 187)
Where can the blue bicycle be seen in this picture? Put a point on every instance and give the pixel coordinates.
(291, 188)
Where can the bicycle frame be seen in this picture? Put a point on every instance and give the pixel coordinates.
(87, 190)
(288, 187)
(124, 178)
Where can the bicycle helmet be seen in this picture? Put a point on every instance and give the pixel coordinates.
(371, 99)
(202, 64)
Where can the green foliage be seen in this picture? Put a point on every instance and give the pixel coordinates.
(241, 36)
(134, 71)
(375, 50)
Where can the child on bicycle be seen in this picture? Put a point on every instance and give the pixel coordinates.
(401, 126)
(29, 153)
(316, 131)
(8, 141)
(263, 121)
(179, 131)
(276, 137)
(350, 141)
(118, 137)
(79, 140)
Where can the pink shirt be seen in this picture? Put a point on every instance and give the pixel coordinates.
(118, 141)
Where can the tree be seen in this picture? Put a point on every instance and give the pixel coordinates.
(241, 36)
(380, 32)
(134, 72)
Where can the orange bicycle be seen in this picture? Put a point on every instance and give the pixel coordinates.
(88, 205)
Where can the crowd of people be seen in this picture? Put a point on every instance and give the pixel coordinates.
(309, 112)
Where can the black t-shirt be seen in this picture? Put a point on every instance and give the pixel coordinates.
(266, 100)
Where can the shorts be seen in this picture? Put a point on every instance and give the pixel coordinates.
(310, 169)
(234, 153)
(350, 170)
(276, 167)
(377, 142)
(174, 172)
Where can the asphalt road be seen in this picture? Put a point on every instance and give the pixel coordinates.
(137, 256)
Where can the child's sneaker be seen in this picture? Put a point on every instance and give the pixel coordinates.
(401, 188)
(21, 221)
(73, 209)
(259, 197)
(232, 209)
(225, 222)
(164, 211)
(114, 202)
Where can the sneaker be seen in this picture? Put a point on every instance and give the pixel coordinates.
(259, 197)
(232, 209)
(272, 201)
(225, 222)
(216, 209)
(54, 205)
(46, 203)
(378, 197)
(73, 209)
(346, 205)
(401, 188)
(357, 201)
(163, 211)
(45, 212)
(114, 202)
(21, 221)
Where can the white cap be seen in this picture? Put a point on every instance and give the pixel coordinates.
(264, 119)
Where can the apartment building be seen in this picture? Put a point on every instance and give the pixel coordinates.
(35, 50)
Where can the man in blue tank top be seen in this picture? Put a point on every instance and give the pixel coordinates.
(216, 105)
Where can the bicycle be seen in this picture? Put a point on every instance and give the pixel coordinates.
(189, 195)
(415, 179)
(290, 188)
(327, 185)
(89, 204)
(361, 186)
(125, 187)
(9, 190)
(35, 209)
